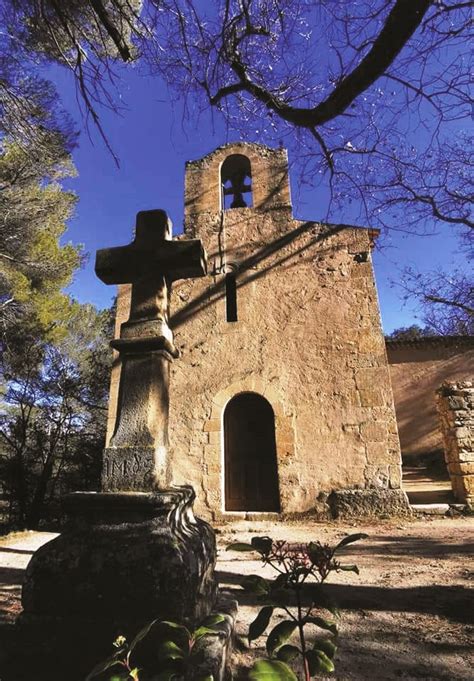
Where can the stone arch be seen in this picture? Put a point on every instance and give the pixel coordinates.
(235, 181)
(203, 192)
(214, 449)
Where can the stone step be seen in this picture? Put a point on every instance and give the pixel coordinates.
(438, 509)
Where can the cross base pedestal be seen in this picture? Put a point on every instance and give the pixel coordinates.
(123, 560)
(123, 556)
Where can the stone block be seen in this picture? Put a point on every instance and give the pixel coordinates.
(222, 398)
(377, 476)
(458, 487)
(212, 425)
(465, 455)
(211, 453)
(361, 270)
(211, 469)
(431, 509)
(376, 452)
(128, 468)
(372, 397)
(374, 431)
(216, 412)
(460, 468)
(369, 378)
(370, 341)
(122, 561)
(285, 450)
(372, 503)
(285, 433)
(467, 482)
(395, 472)
(215, 438)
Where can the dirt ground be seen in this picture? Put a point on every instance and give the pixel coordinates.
(408, 615)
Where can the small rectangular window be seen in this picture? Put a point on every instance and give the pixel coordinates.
(231, 297)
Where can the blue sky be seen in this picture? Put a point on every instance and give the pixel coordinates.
(153, 142)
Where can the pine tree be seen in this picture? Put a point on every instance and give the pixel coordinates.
(34, 266)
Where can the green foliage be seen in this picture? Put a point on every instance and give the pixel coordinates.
(295, 564)
(176, 648)
(53, 415)
(280, 635)
(288, 653)
(54, 359)
(84, 37)
(54, 356)
(34, 267)
(413, 332)
(260, 623)
(271, 670)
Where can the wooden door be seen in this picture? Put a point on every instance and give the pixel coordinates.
(251, 476)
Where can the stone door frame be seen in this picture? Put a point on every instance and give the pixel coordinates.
(214, 455)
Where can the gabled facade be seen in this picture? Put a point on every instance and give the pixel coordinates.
(282, 392)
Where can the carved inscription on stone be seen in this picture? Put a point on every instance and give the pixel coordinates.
(127, 469)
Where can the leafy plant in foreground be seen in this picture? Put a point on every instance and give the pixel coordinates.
(176, 646)
(295, 565)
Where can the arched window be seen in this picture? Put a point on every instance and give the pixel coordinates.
(236, 180)
(251, 474)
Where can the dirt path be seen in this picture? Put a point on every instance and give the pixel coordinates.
(16, 550)
(409, 615)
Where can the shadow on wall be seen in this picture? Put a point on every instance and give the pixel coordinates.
(217, 290)
(417, 371)
(246, 271)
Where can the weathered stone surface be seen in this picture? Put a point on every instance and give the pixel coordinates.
(359, 503)
(130, 468)
(122, 561)
(308, 339)
(431, 509)
(455, 403)
(461, 468)
(136, 457)
(212, 656)
(125, 559)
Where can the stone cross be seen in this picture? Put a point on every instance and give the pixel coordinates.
(137, 458)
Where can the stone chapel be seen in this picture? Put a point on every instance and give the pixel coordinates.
(281, 399)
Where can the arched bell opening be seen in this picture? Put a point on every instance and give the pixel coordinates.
(236, 181)
(250, 459)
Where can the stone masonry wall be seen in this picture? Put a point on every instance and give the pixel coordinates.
(269, 169)
(308, 338)
(455, 402)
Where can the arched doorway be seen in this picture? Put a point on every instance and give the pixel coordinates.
(251, 475)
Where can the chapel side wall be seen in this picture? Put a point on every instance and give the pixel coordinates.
(417, 370)
(308, 338)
